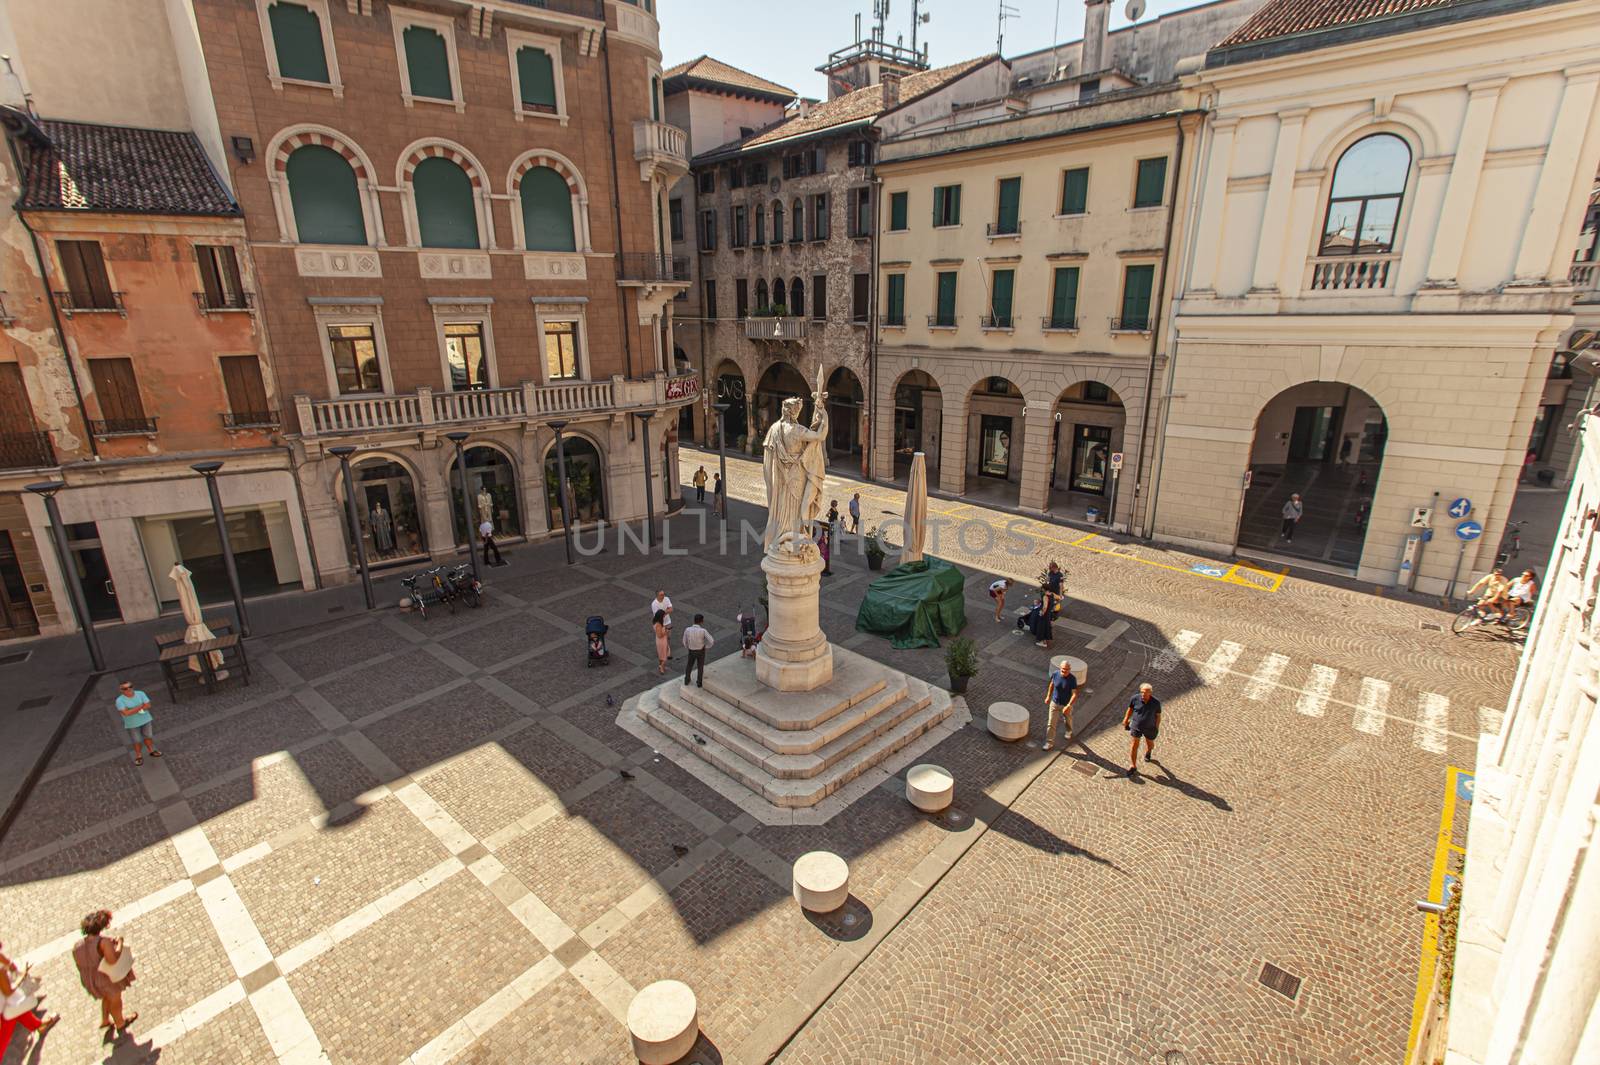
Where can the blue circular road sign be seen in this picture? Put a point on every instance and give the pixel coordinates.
(1460, 508)
(1469, 530)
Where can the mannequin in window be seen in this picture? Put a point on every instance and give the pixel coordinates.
(382, 529)
(485, 504)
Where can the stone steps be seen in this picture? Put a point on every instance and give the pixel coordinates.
(854, 678)
(790, 741)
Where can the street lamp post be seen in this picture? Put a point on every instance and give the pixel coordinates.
(208, 470)
(722, 462)
(458, 438)
(561, 487)
(58, 533)
(649, 491)
(343, 453)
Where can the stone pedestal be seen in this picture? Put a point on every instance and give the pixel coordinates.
(794, 655)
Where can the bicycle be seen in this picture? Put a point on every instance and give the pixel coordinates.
(464, 584)
(1475, 618)
(1511, 546)
(418, 604)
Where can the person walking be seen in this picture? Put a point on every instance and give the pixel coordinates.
(825, 547)
(663, 647)
(699, 480)
(1050, 600)
(855, 513)
(134, 706)
(719, 497)
(1293, 511)
(697, 641)
(1142, 720)
(105, 968)
(997, 592)
(1060, 692)
(662, 604)
(21, 1004)
(833, 514)
(486, 534)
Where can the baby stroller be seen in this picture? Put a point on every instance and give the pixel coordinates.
(747, 635)
(595, 630)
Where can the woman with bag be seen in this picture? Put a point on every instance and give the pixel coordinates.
(20, 991)
(105, 968)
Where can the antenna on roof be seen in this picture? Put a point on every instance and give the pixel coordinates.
(918, 18)
(1006, 11)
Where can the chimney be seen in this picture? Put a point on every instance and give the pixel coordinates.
(805, 107)
(1095, 14)
(890, 79)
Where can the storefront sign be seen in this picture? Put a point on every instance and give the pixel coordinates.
(686, 387)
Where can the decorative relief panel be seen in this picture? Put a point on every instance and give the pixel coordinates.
(540, 267)
(338, 262)
(454, 264)
(635, 25)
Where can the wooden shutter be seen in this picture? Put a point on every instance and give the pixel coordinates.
(428, 63)
(1151, 187)
(1000, 300)
(1010, 197)
(1064, 300)
(819, 296)
(210, 281)
(84, 268)
(947, 298)
(859, 297)
(536, 78)
(241, 377)
(16, 413)
(297, 41)
(117, 390)
(897, 299)
(897, 210)
(1136, 296)
(1075, 191)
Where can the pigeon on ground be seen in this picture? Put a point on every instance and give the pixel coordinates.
(679, 849)
(625, 774)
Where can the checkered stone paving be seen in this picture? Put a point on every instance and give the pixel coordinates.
(426, 840)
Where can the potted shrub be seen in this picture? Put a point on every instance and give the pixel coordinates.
(874, 548)
(961, 660)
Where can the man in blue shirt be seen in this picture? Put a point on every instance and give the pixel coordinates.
(1143, 720)
(1060, 692)
(134, 706)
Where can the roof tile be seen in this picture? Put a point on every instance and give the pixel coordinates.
(716, 71)
(1281, 18)
(123, 170)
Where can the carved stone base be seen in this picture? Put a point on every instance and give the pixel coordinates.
(794, 655)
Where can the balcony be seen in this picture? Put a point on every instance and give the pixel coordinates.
(1585, 277)
(250, 419)
(87, 303)
(776, 329)
(997, 321)
(1351, 273)
(660, 148)
(648, 268)
(1130, 325)
(123, 426)
(25, 451)
(942, 321)
(1054, 324)
(524, 403)
(237, 301)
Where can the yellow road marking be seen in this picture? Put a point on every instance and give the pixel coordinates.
(1430, 923)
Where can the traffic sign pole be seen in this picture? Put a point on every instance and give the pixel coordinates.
(1466, 532)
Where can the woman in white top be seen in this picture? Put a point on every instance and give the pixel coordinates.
(997, 592)
(662, 604)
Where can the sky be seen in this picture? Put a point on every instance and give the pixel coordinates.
(786, 47)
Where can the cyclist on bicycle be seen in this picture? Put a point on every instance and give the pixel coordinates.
(1522, 592)
(1493, 587)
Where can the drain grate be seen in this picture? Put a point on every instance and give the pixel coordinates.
(1282, 981)
(16, 659)
(1088, 769)
(1431, 626)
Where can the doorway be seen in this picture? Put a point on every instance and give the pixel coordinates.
(1312, 438)
(16, 609)
(994, 447)
(94, 575)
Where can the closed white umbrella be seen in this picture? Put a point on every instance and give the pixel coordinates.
(916, 509)
(189, 603)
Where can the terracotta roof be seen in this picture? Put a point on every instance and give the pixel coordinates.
(864, 103)
(1281, 18)
(121, 170)
(717, 72)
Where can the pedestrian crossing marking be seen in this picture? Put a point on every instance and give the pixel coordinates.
(1433, 720)
(1169, 657)
(1372, 706)
(1313, 700)
(1220, 664)
(1490, 719)
(1266, 677)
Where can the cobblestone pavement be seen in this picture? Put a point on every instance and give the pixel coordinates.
(427, 841)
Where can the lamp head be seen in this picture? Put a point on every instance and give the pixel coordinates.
(644, 415)
(458, 437)
(558, 426)
(209, 469)
(343, 451)
(46, 488)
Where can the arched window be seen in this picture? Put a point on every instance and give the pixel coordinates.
(1364, 204)
(780, 296)
(546, 211)
(761, 294)
(585, 482)
(447, 215)
(797, 298)
(761, 224)
(798, 221)
(777, 223)
(323, 193)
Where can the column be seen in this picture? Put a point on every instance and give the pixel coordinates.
(1450, 232)
(953, 443)
(1038, 426)
(1213, 205)
(1542, 256)
(1275, 217)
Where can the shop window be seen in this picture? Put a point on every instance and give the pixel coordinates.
(297, 42)
(561, 353)
(586, 497)
(386, 500)
(1075, 190)
(492, 489)
(354, 351)
(947, 205)
(546, 211)
(324, 197)
(447, 215)
(259, 538)
(1150, 183)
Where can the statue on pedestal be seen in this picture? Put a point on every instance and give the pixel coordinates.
(793, 466)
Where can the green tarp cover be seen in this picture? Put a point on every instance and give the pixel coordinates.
(914, 604)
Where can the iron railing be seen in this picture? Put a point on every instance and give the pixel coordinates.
(1130, 325)
(250, 419)
(122, 426)
(648, 266)
(1004, 229)
(1050, 322)
(87, 304)
(23, 451)
(995, 321)
(941, 321)
(226, 301)
(595, 9)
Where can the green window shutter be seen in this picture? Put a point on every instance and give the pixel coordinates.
(297, 39)
(897, 299)
(1136, 296)
(547, 211)
(946, 309)
(955, 205)
(1151, 187)
(428, 61)
(1075, 191)
(1010, 198)
(1064, 297)
(536, 76)
(897, 210)
(938, 204)
(446, 214)
(323, 194)
(655, 99)
(1000, 301)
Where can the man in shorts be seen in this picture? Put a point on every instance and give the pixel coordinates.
(134, 706)
(1143, 721)
(1060, 693)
